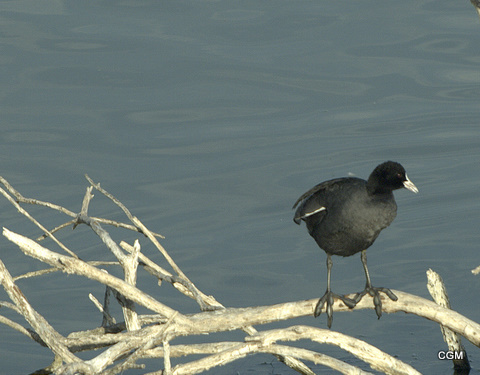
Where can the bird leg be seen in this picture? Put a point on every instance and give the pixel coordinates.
(329, 296)
(373, 291)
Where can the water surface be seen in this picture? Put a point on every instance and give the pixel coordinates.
(209, 119)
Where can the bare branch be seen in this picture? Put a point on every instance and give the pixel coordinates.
(317, 358)
(57, 228)
(48, 335)
(108, 319)
(437, 290)
(130, 268)
(20, 198)
(139, 337)
(206, 303)
(27, 215)
(51, 270)
(117, 202)
(476, 271)
(231, 319)
(377, 359)
(79, 267)
(277, 350)
(21, 329)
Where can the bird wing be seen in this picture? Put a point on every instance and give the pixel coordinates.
(309, 203)
(315, 201)
(304, 211)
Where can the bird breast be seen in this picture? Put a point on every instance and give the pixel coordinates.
(352, 226)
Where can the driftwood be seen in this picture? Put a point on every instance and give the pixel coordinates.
(137, 337)
(437, 290)
(476, 4)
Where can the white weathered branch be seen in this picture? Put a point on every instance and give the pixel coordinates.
(33, 220)
(79, 267)
(437, 290)
(49, 336)
(476, 271)
(275, 349)
(148, 336)
(377, 359)
(130, 268)
(231, 319)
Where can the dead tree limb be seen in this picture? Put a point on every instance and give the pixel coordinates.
(125, 344)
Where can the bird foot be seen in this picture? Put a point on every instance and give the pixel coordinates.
(328, 299)
(375, 293)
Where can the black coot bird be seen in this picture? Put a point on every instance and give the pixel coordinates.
(345, 216)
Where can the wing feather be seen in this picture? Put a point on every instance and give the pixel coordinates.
(315, 201)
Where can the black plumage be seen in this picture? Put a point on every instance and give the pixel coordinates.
(346, 215)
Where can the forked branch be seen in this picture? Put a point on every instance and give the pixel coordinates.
(137, 337)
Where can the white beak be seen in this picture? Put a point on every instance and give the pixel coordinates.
(409, 185)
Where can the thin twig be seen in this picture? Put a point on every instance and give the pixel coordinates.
(112, 223)
(108, 319)
(79, 267)
(20, 198)
(47, 271)
(18, 327)
(207, 303)
(116, 201)
(150, 336)
(33, 220)
(56, 229)
(48, 335)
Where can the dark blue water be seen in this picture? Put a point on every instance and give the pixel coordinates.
(209, 119)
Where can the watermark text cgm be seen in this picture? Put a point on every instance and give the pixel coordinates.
(449, 355)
